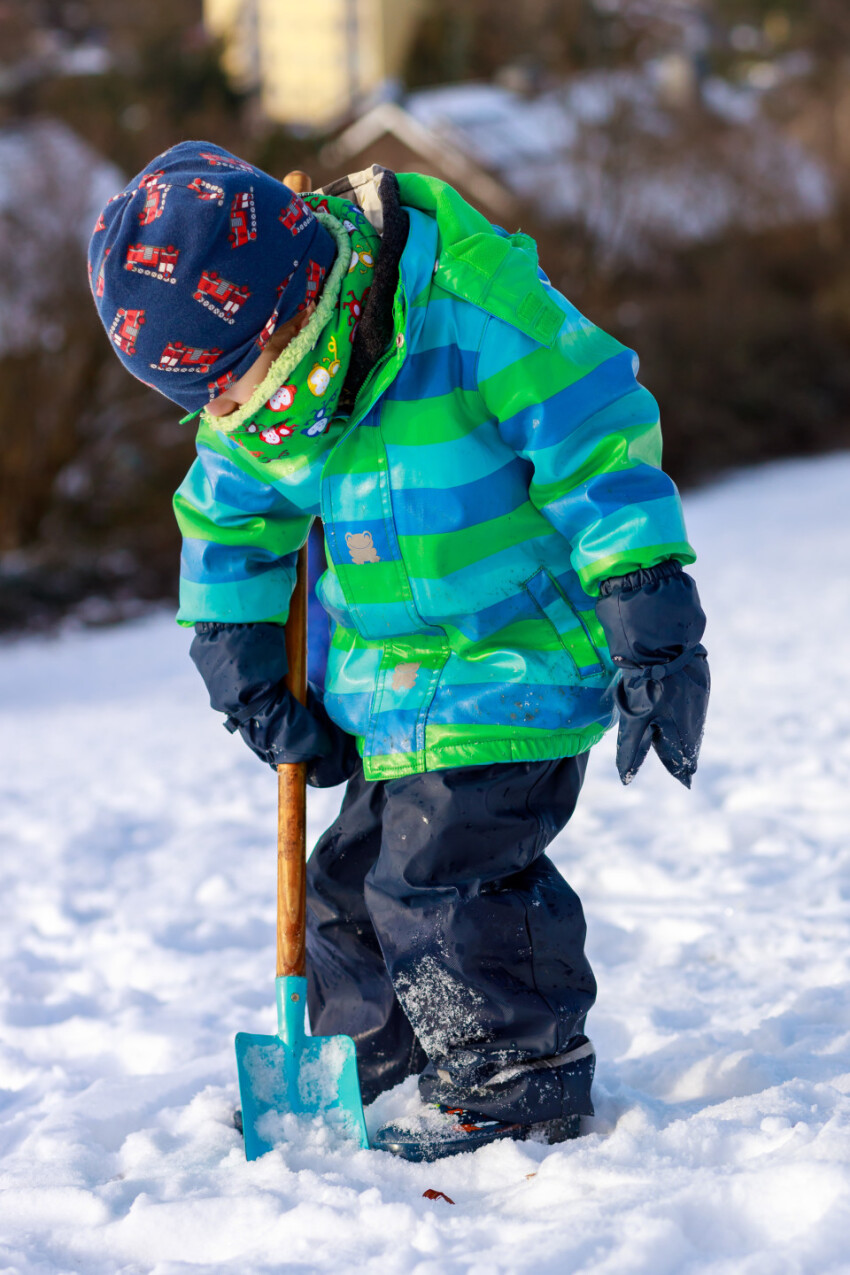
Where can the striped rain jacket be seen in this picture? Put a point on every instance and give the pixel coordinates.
(500, 461)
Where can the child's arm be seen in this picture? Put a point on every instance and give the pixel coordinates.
(577, 413)
(241, 537)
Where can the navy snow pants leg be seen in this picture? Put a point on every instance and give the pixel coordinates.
(442, 939)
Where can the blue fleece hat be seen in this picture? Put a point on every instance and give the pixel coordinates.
(196, 263)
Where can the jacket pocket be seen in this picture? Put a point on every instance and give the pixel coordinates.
(565, 620)
(405, 686)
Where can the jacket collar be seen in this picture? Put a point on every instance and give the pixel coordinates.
(375, 191)
(428, 229)
(478, 262)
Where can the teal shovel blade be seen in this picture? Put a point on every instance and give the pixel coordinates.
(294, 1074)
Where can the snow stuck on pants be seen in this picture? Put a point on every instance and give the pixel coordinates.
(138, 936)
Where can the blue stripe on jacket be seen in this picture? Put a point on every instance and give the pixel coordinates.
(570, 406)
(555, 707)
(430, 511)
(432, 373)
(209, 563)
(454, 462)
(213, 481)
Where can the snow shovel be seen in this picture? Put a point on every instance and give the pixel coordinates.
(292, 1073)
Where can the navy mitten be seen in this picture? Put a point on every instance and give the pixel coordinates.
(244, 667)
(653, 622)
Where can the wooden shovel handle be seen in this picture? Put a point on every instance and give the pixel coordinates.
(299, 181)
(292, 802)
(291, 777)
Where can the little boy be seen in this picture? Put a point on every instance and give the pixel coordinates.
(504, 575)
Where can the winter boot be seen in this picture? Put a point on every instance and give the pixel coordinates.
(440, 1131)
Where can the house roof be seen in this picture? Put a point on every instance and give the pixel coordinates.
(607, 149)
(450, 156)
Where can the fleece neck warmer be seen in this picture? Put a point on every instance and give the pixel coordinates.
(301, 391)
(196, 263)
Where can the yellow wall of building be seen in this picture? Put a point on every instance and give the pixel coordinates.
(312, 61)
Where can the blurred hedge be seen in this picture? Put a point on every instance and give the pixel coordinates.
(745, 343)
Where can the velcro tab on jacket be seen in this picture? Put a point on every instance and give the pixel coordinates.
(501, 278)
(537, 314)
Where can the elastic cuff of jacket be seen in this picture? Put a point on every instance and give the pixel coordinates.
(204, 627)
(657, 672)
(643, 576)
(211, 626)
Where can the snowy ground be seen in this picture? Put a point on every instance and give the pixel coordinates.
(136, 889)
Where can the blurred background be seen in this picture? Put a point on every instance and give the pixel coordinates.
(684, 166)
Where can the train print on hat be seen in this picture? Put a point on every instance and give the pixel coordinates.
(239, 252)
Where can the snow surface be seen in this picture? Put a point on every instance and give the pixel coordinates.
(137, 938)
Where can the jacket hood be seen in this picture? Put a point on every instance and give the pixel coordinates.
(478, 262)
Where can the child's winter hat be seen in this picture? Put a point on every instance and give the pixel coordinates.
(196, 263)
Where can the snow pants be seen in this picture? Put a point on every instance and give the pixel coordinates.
(445, 942)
